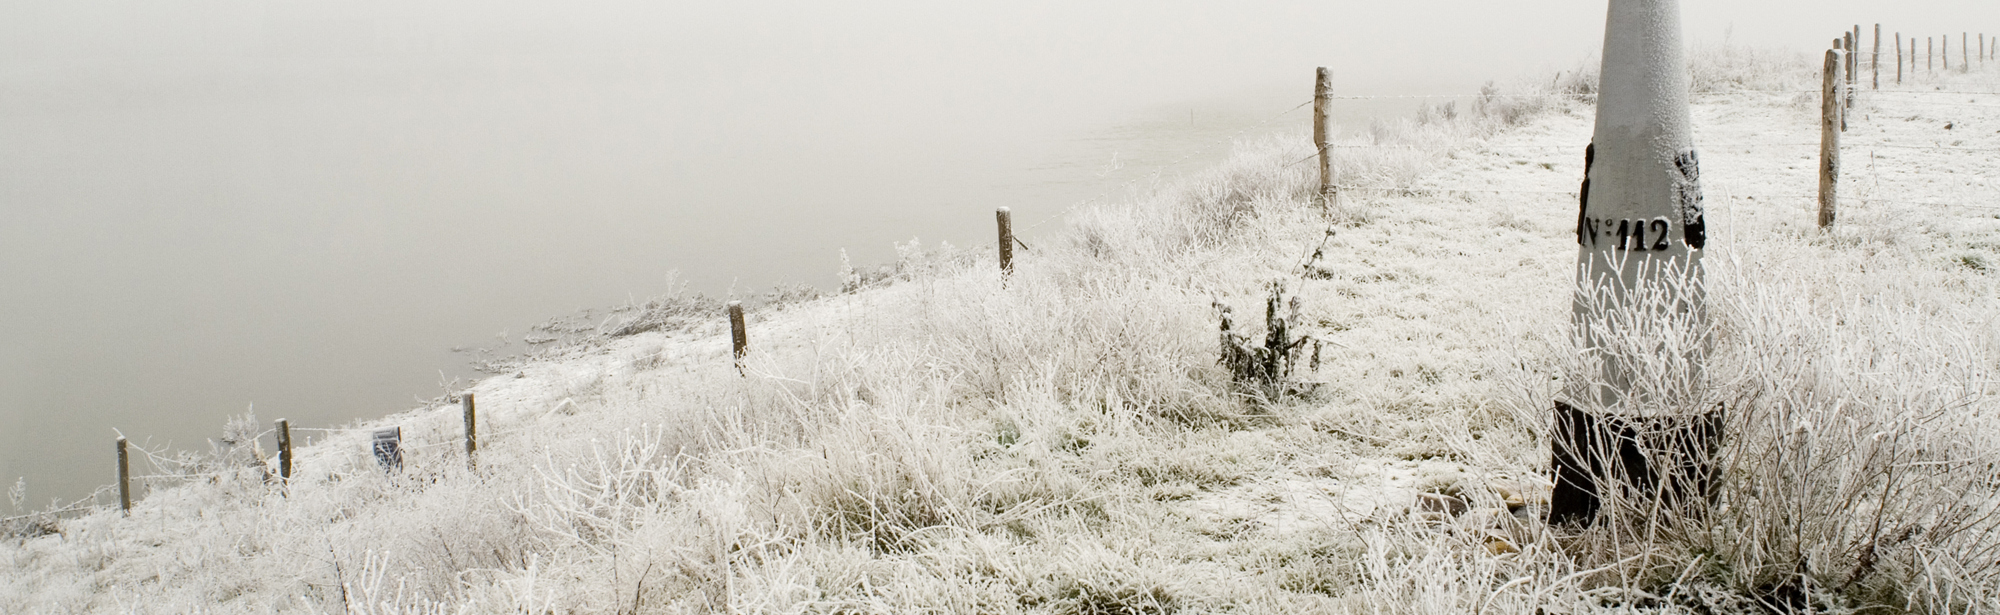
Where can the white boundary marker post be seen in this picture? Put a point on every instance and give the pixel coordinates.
(1640, 233)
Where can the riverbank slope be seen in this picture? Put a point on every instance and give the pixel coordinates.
(1064, 440)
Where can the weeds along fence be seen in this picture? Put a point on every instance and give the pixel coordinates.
(238, 454)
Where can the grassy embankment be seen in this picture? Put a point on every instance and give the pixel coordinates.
(1064, 441)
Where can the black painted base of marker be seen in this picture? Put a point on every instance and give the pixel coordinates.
(1671, 456)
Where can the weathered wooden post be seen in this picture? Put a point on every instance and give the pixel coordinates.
(1322, 101)
(1839, 107)
(1899, 58)
(1875, 61)
(1930, 54)
(1005, 217)
(739, 339)
(1640, 233)
(1829, 137)
(285, 450)
(1964, 53)
(1944, 52)
(471, 430)
(1853, 57)
(124, 480)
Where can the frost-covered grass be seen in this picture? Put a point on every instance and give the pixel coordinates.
(942, 439)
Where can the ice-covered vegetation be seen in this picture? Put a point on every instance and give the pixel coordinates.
(938, 438)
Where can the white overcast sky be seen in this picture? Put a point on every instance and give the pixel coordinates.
(1129, 44)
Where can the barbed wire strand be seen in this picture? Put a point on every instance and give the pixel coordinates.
(182, 476)
(334, 429)
(74, 505)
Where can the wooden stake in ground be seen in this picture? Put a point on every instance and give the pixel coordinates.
(1322, 100)
(1899, 58)
(739, 339)
(1839, 86)
(1875, 61)
(285, 449)
(1005, 217)
(1640, 233)
(1930, 54)
(1964, 53)
(1829, 137)
(1944, 55)
(124, 480)
(1853, 63)
(471, 430)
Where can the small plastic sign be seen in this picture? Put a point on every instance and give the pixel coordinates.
(388, 449)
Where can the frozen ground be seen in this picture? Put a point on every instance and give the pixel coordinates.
(1064, 442)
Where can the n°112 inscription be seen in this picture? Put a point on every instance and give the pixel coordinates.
(1628, 234)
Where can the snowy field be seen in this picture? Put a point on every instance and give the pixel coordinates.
(938, 439)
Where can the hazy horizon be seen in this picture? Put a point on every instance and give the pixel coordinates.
(216, 204)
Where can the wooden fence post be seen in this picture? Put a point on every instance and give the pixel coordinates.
(1944, 52)
(1853, 50)
(1839, 86)
(1854, 59)
(124, 480)
(285, 450)
(1899, 58)
(738, 338)
(1322, 99)
(1829, 137)
(1005, 217)
(1875, 61)
(1930, 54)
(1964, 53)
(471, 431)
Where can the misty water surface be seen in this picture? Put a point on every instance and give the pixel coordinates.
(215, 204)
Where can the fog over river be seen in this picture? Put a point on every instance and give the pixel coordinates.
(304, 206)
